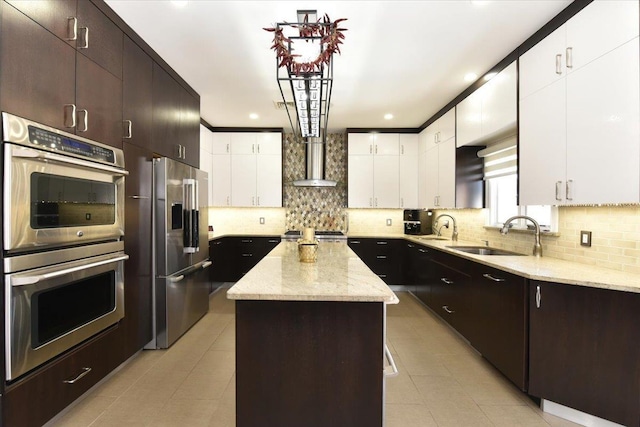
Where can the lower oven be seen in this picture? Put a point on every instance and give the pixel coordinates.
(52, 308)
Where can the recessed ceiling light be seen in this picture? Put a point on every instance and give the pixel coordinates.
(489, 76)
(480, 2)
(179, 3)
(388, 116)
(470, 77)
(253, 116)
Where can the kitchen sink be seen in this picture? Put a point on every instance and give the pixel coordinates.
(483, 250)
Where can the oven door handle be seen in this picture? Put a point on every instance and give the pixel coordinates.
(30, 280)
(33, 154)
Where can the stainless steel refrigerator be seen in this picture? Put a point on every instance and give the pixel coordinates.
(181, 246)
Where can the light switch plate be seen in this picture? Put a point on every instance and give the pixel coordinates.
(585, 238)
(261, 220)
(388, 222)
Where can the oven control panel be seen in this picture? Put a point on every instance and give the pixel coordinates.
(54, 141)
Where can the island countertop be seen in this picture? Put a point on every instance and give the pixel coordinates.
(337, 275)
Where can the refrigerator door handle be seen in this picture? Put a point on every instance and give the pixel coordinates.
(189, 206)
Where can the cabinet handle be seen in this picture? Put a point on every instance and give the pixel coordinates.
(558, 185)
(274, 241)
(559, 64)
(402, 149)
(253, 148)
(570, 189)
(381, 242)
(409, 245)
(446, 281)
(371, 149)
(446, 308)
(85, 121)
(402, 202)
(72, 29)
(227, 200)
(376, 149)
(247, 255)
(72, 115)
(381, 257)
(84, 372)
(253, 201)
(495, 279)
(569, 58)
(424, 251)
(227, 148)
(184, 152)
(86, 38)
(538, 297)
(370, 202)
(139, 197)
(128, 125)
(382, 276)
(355, 242)
(258, 198)
(375, 202)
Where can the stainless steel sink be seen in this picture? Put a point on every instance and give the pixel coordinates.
(483, 250)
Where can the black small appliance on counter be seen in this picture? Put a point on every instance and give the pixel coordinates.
(418, 221)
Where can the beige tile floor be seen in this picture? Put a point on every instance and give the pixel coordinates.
(442, 380)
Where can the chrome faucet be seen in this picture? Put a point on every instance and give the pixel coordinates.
(454, 235)
(537, 247)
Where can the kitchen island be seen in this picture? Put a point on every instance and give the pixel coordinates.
(310, 340)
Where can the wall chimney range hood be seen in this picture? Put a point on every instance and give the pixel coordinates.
(315, 165)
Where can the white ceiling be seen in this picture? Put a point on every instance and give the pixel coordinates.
(407, 58)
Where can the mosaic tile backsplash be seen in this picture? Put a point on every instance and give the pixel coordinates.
(323, 208)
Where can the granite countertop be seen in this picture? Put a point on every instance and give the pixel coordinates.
(337, 275)
(545, 268)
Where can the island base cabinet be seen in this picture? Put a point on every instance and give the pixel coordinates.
(584, 350)
(308, 363)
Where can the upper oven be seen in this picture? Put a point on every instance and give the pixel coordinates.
(59, 189)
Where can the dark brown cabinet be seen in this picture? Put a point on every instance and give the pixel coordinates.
(32, 401)
(44, 77)
(233, 256)
(584, 350)
(136, 325)
(176, 119)
(137, 95)
(382, 256)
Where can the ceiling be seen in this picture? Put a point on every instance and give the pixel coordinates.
(406, 58)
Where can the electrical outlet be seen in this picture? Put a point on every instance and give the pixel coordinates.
(261, 220)
(388, 222)
(585, 238)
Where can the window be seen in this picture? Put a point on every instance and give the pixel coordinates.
(501, 185)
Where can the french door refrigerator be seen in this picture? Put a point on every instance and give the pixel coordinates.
(181, 246)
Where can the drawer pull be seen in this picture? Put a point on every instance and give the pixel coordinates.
(495, 279)
(446, 308)
(381, 256)
(274, 241)
(381, 243)
(355, 242)
(247, 255)
(84, 372)
(424, 251)
(447, 281)
(246, 241)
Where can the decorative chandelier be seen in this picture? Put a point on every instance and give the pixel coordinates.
(304, 70)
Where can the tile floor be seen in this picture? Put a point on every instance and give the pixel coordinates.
(442, 380)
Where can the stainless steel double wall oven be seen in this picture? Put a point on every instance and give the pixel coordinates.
(62, 248)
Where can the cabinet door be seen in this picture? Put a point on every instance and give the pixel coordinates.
(542, 149)
(166, 113)
(386, 181)
(600, 28)
(447, 174)
(269, 143)
(604, 116)
(220, 180)
(269, 180)
(409, 171)
(469, 118)
(430, 137)
(25, 90)
(430, 183)
(447, 126)
(189, 131)
(582, 349)
(450, 295)
(499, 102)
(136, 325)
(360, 143)
(100, 94)
(221, 143)
(102, 40)
(360, 181)
(137, 94)
(243, 143)
(538, 65)
(51, 14)
(386, 144)
(243, 179)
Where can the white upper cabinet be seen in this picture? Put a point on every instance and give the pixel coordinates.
(409, 151)
(256, 169)
(579, 139)
(441, 130)
(489, 111)
(206, 142)
(374, 170)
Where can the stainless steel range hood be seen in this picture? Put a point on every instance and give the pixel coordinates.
(315, 166)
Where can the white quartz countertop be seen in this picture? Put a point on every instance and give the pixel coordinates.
(337, 275)
(546, 269)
